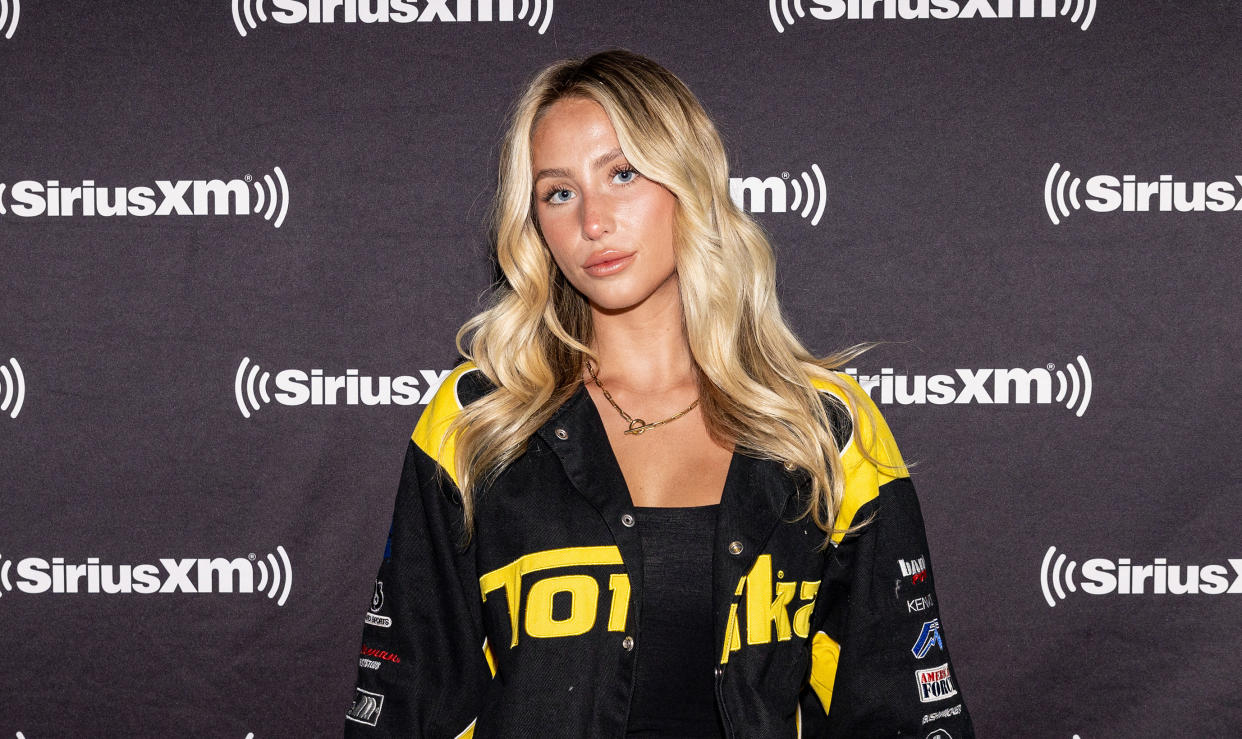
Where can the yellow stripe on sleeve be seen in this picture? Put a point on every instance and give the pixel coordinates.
(824, 654)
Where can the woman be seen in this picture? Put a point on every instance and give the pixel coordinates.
(642, 508)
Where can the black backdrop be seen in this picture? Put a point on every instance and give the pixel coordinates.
(944, 223)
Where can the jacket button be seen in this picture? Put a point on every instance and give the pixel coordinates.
(562, 434)
(735, 548)
(627, 643)
(719, 671)
(627, 520)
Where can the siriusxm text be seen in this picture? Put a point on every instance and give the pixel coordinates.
(1104, 576)
(30, 198)
(390, 11)
(297, 387)
(829, 10)
(966, 386)
(1107, 193)
(218, 575)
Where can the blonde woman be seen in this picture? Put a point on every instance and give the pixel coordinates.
(642, 508)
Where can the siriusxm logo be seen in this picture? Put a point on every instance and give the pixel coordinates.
(1078, 11)
(1105, 193)
(298, 387)
(246, 196)
(986, 386)
(10, 11)
(248, 14)
(13, 387)
(1107, 577)
(784, 194)
(36, 575)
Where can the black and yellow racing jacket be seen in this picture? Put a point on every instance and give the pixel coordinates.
(534, 629)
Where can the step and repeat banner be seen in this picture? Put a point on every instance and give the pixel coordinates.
(237, 238)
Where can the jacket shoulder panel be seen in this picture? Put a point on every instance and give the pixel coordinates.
(869, 432)
(464, 385)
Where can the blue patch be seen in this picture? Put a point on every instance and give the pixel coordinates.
(928, 637)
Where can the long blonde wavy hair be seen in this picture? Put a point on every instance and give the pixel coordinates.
(531, 342)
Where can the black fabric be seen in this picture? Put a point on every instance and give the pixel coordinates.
(674, 681)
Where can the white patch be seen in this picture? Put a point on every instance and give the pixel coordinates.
(935, 684)
(366, 708)
(375, 620)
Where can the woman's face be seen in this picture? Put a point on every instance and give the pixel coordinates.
(609, 228)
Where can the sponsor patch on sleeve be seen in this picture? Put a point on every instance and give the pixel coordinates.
(929, 637)
(935, 684)
(366, 708)
(945, 713)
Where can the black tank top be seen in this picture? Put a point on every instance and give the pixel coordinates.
(674, 691)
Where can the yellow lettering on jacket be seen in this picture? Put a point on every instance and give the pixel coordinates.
(733, 638)
(762, 612)
(802, 618)
(767, 603)
(584, 598)
(619, 584)
(583, 594)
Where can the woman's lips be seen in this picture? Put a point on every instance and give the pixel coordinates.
(611, 266)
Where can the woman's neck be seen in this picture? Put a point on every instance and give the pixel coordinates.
(644, 349)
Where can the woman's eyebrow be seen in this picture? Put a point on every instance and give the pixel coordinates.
(600, 161)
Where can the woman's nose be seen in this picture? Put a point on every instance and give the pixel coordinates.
(597, 216)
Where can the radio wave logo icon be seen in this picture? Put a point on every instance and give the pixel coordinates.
(1083, 10)
(275, 193)
(535, 9)
(246, 383)
(14, 388)
(806, 194)
(1053, 574)
(782, 12)
(1077, 385)
(243, 18)
(248, 14)
(6, 585)
(278, 574)
(1060, 193)
(10, 11)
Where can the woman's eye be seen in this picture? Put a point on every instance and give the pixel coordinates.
(625, 176)
(555, 196)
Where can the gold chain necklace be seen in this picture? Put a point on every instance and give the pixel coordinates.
(637, 425)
